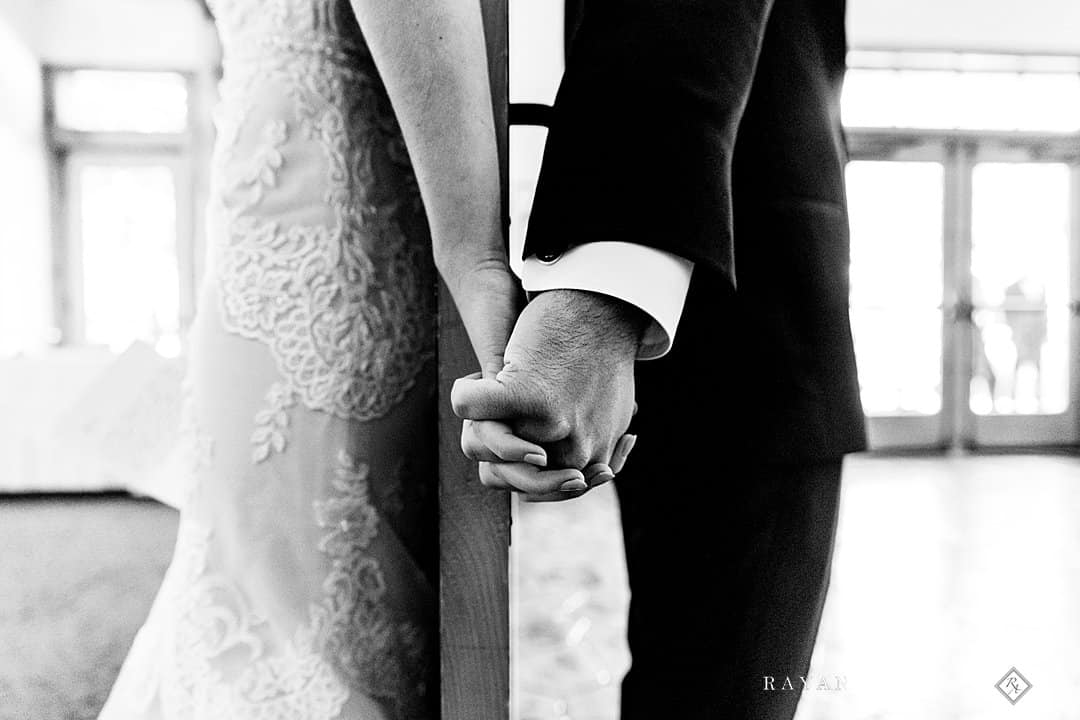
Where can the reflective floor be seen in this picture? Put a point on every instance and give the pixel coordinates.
(568, 609)
(948, 573)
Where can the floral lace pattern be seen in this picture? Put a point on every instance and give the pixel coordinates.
(195, 446)
(346, 307)
(321, 257)
(271, 422)
(351, 636)
(213, 621)
(384, 656)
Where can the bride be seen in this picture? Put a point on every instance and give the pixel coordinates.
(302, 584)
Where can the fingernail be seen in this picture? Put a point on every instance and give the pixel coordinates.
(573, 485)
(600, 468)
(631, 440)
(602, 478)
(537, 459)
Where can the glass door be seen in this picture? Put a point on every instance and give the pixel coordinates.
(897, 271)
(964, 291)
(1023, 285)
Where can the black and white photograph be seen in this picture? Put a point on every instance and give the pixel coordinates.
(539, 359)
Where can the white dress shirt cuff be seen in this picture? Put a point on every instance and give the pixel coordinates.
(653, 280)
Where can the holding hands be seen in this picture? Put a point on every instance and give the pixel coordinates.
(551, 422)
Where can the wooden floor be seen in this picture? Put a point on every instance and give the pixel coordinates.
(948, 572)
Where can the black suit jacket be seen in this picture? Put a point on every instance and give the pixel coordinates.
(710, 129)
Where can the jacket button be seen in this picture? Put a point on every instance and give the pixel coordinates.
(548, 257)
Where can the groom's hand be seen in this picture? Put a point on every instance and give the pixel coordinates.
(568, 379)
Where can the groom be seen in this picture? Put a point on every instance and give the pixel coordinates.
(693, 181)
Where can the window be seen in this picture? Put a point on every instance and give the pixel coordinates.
(896, 283)
(94, 319)
(121, 143)
(963, 195)
(124, 251)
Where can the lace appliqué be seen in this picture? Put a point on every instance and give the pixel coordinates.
(195, 447)
(261, 173)
(384, 656)
(346, 308)
(214, 659)
(271, 422)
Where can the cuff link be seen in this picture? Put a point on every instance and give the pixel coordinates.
(549, 257)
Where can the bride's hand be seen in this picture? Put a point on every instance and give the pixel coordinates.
(486, 295)
(509, 462)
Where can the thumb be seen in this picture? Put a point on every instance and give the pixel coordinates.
(484, 399)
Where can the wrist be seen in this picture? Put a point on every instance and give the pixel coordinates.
(461, 250)
(610, 322)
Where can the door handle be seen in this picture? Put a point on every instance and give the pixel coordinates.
(960, 311)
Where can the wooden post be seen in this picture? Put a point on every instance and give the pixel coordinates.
(474, 523)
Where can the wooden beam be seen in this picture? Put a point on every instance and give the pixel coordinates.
(474, 523)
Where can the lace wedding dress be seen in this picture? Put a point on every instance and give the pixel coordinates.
(301, 583)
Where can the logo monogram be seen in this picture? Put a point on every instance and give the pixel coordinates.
(1013, 686)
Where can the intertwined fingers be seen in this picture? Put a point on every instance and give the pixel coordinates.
(544, 485)
(509, 399)
(507, 462)
(595, 475)
(622, 452)
(530, 479)
(494, 441)
(499, 414)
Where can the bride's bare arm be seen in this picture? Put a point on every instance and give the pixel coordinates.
(432, 59)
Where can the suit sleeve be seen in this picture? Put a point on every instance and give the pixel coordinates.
(643, 128)
(654, 281)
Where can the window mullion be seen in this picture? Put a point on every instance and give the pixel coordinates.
(957, 424)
